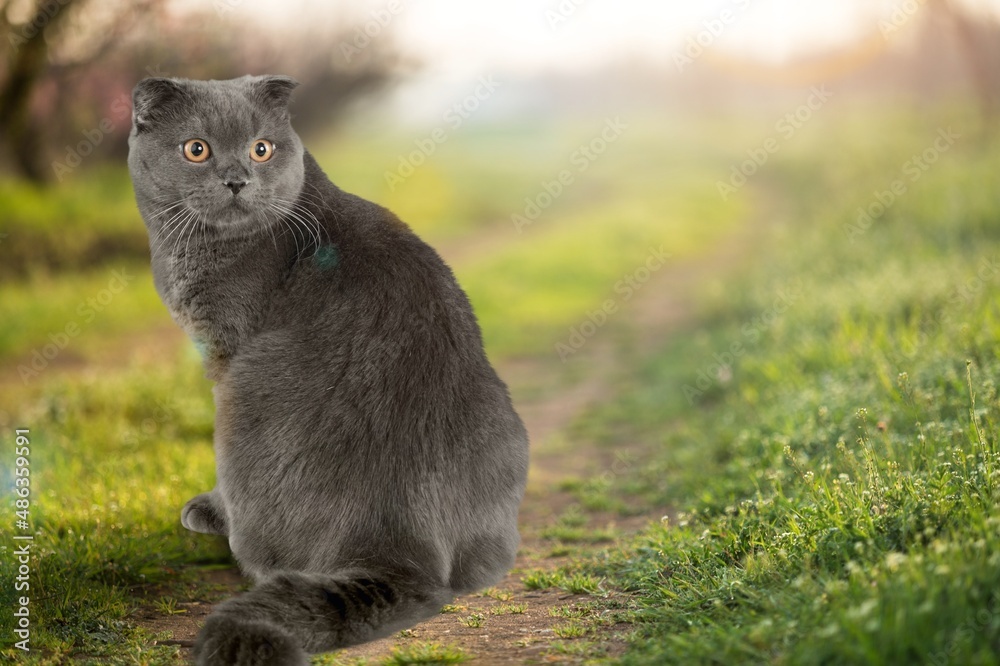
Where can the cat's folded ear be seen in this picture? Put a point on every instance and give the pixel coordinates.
(153, 99)
(275, 90)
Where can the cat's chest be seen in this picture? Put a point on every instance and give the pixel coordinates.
(196, 298)
(220, 300)
(181, 299)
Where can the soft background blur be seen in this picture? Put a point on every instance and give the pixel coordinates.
(713, 235)
(513, 90)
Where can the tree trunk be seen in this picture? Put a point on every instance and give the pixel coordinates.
(982, 71)
(20, 130)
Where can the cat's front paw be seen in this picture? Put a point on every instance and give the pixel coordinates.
(203, 514)
(227, 641)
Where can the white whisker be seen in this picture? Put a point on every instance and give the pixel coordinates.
(306, 217)
(166, 226)
(283, 218)
(270, 228)
(322, 203)
(189, 214)
(193, 226)
(166, 210)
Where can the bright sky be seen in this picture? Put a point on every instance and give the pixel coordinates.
(526, 33)
(467, 36)
(459, 41)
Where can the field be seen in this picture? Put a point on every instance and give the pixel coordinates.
(779, 445)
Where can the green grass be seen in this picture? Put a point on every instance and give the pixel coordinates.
(591, 247)
(427, 653)
(92, 219)
(168, 606)
(494, 593)
(571, 630)
(572, 582)
(837, 481)
(472, 182)
(49, 319)
(571, 528)
(113, 458)
(474, 621)
(419, 653)
(509, 609)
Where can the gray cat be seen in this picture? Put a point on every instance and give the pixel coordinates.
(369, 462)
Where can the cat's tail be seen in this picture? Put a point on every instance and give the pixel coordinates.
(290, 615)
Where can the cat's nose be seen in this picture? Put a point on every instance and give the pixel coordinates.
(235, 185)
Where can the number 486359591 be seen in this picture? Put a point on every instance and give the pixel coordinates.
(22, 483)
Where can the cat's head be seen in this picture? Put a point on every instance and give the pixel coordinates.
(218, 153)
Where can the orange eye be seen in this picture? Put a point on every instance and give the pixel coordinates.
(262, 150)
(196, 150)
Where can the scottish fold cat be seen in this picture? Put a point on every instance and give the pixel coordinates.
(369, 462)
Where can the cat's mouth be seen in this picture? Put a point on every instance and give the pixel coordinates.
(240, 204)
(234, 210)
(235, 215)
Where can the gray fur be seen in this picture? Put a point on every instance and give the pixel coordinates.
(370, 463)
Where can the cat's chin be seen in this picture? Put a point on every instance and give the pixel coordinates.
(236, 219)
(235, 209)
(238, 227)
(228, 225)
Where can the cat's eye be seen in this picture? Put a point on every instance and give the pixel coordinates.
(196, 150)
(262, 150)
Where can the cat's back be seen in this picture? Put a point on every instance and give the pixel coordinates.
(367, 260)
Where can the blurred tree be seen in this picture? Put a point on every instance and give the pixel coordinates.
(28, 64)
(977, 37)
(69, 65)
